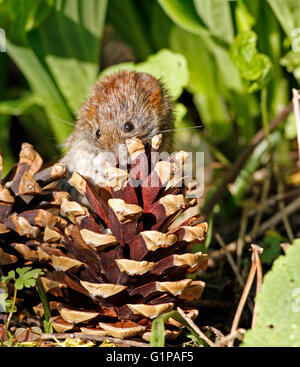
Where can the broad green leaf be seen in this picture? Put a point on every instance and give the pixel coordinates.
(288, 14)
(216, 15)
(203, 82)
(22, 271)
(27, 277)
(19, 106)
(160, 26)
(132, 25)
(43, 85)
(166, 65)
(253, 66)
(278, 304)
(69, 43)
(271, 245)
(227, 72)
(60, 57)
(20, 17)
(183, 13)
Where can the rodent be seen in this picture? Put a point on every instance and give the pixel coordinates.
(120, 106)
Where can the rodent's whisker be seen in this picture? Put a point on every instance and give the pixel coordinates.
(180, 128)
(65, 121)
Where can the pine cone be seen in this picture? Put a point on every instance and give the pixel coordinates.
(29, 201)
(121, 261)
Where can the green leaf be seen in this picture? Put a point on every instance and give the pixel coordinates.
(183, 13)
(58, 54)
(158, 328)
(43, 85)
(253, 66)
(288, 14)
(160, 26)
(241, 183)
(292, 62)
(27, 277)
(216, 15)
(203, 82)
(166, 65)
(6, 278)
(245, 21)
(19, 106)
(278, 304)
(132, 25)
(271, 245)
(69, 44)
(290, 129)
(20, 17)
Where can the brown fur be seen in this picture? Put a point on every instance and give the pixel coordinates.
(114, 100)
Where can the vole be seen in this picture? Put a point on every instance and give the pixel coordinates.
(120, 106)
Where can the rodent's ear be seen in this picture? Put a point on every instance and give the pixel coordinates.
(152, 86)
(149, 81)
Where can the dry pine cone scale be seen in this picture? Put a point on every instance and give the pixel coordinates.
(116, 265)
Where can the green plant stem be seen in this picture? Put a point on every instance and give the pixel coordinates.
(264, 111)
(11, 310)
(44, 299)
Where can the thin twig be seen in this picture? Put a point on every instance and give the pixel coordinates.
(230, 259)
(239, 163)
(274, 199)
(212, 329)
(262, 206)
(230, 338)
(195, 327)
(244, 296)
(127, 343)
(218, 255)
(241, 238)
(277, 218)
(296, 104)
(259, 278)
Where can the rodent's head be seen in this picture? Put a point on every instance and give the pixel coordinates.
(121, 106)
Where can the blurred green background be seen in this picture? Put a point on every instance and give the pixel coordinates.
(230, 66)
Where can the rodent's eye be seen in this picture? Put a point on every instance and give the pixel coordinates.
(98, 133)
(128, 126)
